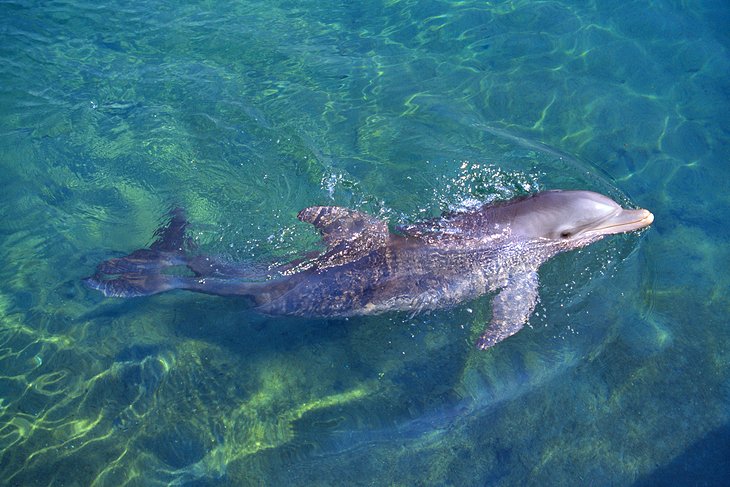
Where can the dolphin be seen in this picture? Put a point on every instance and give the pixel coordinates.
(367, 269)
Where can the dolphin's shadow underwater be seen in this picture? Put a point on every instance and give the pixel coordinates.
(367, 269)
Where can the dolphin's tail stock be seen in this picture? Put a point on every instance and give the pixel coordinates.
(167, 265)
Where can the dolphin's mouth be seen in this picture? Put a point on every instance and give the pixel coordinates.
(624, 221)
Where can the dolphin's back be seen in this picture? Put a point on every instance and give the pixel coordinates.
(391, 278)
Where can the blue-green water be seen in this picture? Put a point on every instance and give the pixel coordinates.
(245, 112)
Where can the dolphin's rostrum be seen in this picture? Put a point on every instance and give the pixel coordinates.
(367, 269)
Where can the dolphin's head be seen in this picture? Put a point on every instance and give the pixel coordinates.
(576, 217)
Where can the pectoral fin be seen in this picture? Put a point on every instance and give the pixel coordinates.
(511, 309)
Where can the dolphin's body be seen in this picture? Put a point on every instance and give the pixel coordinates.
(366, 269)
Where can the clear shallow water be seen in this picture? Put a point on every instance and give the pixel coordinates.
(244, 113)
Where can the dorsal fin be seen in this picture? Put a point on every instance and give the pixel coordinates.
(349, 234)
(337, 225)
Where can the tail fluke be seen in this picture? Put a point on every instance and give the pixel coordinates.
(132, 285)
(147, 271)
(166, 265)
(172, 237)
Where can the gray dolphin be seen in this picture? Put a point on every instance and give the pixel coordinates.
(367, 269)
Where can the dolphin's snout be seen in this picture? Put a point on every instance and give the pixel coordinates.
(625, 221)
(648, 218)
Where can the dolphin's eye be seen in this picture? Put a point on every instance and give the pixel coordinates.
(565, 234)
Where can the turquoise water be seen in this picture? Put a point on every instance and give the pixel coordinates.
(245, 112)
